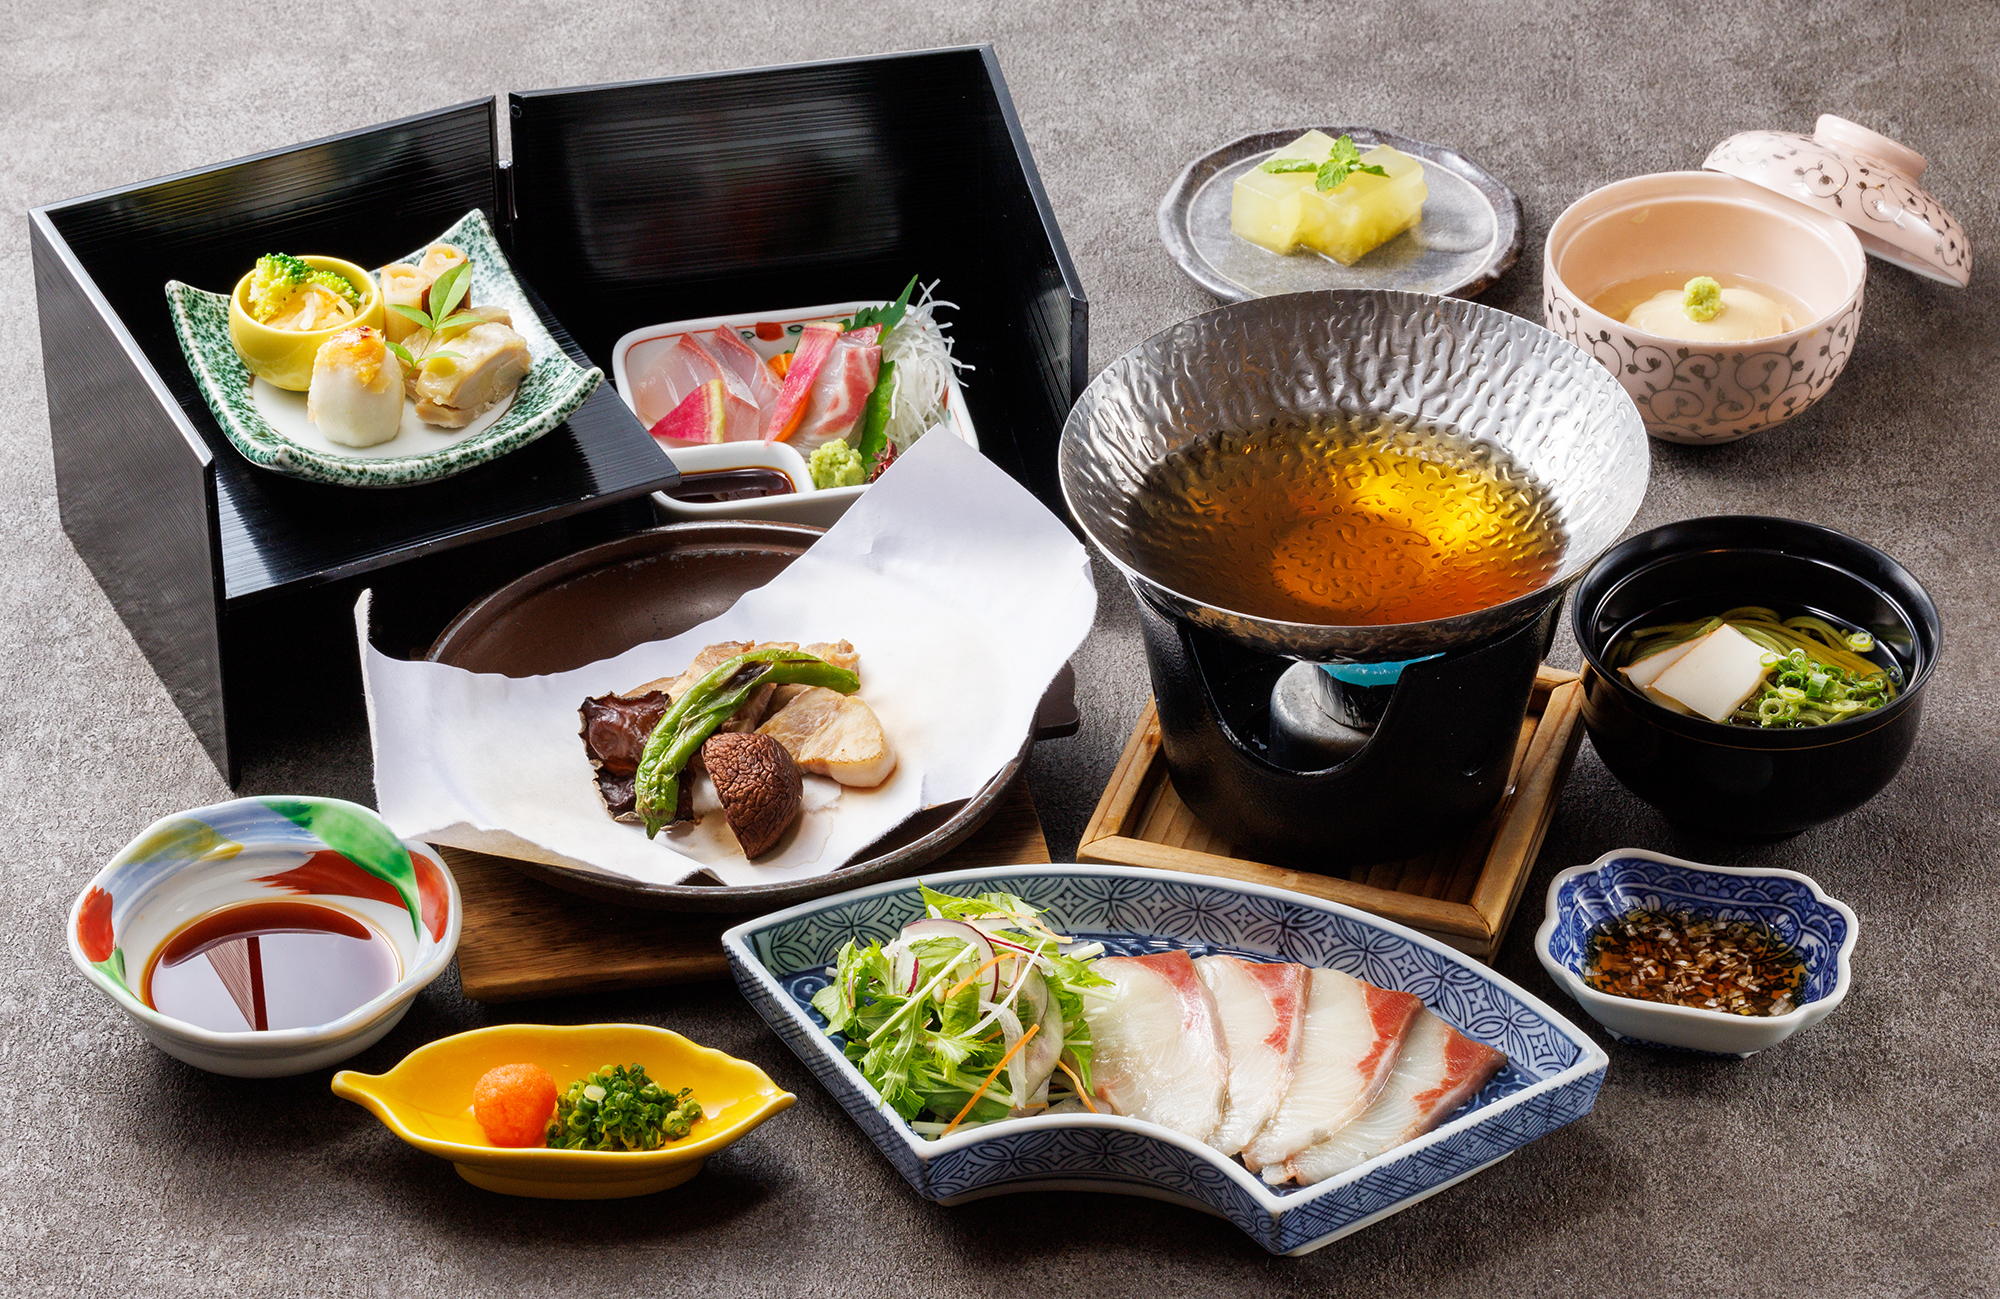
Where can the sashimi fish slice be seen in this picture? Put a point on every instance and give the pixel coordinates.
(1156, 1043)
(1352, 1033)
(737, 357)
(840, 391)
(1263, 1008)
(1438, 1070)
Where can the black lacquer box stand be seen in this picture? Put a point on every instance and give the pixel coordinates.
(622, 206)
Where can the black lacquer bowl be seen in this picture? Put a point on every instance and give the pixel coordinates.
(1736, 781)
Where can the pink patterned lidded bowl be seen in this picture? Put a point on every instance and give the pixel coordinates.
(1621, 243)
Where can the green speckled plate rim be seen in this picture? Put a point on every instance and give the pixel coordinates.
(554, 387)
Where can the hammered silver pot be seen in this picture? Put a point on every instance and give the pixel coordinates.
(1441, 378)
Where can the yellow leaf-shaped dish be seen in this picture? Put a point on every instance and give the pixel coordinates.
(427, 1101)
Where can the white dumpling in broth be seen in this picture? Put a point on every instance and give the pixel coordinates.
(356, 396)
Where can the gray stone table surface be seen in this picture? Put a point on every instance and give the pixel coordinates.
(1857, 1160)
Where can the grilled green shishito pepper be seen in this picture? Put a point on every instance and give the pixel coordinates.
(709, 703)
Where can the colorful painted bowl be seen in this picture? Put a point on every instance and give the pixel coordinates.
(285, 356)
(1551, 1078)
(1821, 929)
(427, 1101)
(1688, 223)
(325, 851)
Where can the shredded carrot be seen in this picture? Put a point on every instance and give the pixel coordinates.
(989, 1081)
(780, 363)
(1075, 1082)
(958, 987)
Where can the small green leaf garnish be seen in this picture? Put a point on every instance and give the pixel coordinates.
(454, 284)
(448, 291)
(888, 317)
(1344, 162)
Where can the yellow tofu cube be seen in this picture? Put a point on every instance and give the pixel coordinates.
(1285, 211)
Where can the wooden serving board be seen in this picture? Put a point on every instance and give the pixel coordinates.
(523, 938)
(1464, 895)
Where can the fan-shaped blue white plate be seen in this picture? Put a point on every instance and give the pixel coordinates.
(269, 426)
(1551, 1078)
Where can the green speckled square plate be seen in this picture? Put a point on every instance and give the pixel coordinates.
(553, 388)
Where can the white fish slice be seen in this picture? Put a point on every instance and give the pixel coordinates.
(1438, 1070)
(1157, 1051)
(1352, 1034)
(1263, 1007)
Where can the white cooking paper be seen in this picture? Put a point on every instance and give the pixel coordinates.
(961, 592)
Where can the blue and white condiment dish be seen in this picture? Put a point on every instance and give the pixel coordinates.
(1820, 928)
(1551, 1078)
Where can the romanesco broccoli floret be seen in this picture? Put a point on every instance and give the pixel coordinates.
(274, 281)
(339, 285)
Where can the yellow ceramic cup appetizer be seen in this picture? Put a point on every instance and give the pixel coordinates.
(427, 1101)
(285, 356)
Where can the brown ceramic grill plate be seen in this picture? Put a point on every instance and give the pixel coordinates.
(604, 600)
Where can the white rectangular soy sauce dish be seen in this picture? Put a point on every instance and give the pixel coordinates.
(768, 333)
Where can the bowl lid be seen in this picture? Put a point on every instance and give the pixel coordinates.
(1861, 177)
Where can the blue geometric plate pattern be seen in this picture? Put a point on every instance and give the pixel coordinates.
(1552, 1075)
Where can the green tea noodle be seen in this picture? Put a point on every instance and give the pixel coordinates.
(1815, 672)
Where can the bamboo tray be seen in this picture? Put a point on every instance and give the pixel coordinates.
(523, 938)
(1462, 895)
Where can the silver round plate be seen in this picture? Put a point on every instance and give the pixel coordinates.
(1469, 236)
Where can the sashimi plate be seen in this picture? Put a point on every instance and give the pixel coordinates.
(1551, 1079)
(269, 427)
(767, 333)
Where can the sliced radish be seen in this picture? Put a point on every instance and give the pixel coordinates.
(702, 417)
(1010, 1027)
(815, 345)
(1044, 1051)
(903, 966)
(922, 930)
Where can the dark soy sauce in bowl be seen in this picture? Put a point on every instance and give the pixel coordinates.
(269, 965)
(714, 486)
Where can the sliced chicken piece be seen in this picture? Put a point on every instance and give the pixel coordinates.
(1352, 1034)
(831, 734)
(840, 390)
(839, 653)
(1263, 1007)
(1157, 1050)
(710, 658)
(1438, 1070)
(455, 390)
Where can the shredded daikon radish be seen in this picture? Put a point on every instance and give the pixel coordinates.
(924, 364)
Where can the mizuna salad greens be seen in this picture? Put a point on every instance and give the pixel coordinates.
(973, 1013)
